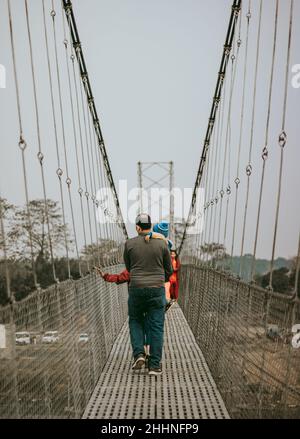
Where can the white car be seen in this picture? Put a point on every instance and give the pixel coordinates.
(22, 338)
(83, 338)
(50, 337)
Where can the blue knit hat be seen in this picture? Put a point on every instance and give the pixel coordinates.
(162, 227)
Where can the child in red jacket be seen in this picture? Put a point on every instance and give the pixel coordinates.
(118, 279)
(174, 278)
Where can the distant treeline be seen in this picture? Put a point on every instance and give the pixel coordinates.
(26, 245)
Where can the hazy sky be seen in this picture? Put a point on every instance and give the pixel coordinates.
(153, 68)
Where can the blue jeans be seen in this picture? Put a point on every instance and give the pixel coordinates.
(146, 308)
(146, 331)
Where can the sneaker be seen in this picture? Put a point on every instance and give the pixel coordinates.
(169, 304)
(138, 362)
(147, 361)
(155, 371)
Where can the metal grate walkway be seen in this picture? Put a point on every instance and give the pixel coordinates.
(186, 389)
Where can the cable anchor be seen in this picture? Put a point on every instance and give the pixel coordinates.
(265, 154)
(249, 170)
(40, 157)
(22, 144)
(59, 172)
(282, 139)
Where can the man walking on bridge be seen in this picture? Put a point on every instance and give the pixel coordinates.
(149, 264)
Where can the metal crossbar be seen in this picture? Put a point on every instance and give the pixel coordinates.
(186, 389)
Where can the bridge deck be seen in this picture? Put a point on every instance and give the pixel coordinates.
(186, 389)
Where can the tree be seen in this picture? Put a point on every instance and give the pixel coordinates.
(23, 231)
(6, 208)
(7, 211)
(214, 251)
(292, 277)
(179, 227)
(18, 250)
(106, 250)
(280, 280)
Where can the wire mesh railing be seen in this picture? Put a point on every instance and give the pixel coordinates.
(246, 334)
(56, 343)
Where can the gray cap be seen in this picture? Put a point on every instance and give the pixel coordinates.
(143, 219)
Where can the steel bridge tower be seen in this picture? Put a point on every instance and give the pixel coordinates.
(157, 175)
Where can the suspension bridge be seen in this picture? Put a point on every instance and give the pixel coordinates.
(231, 344)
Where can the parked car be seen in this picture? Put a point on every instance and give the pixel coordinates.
(50, 337)
(22, 338)
(273, 332)
(83, 338)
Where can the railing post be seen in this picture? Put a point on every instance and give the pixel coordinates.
(262, 367)
(284, 397)
(47, 396)
(14, 357)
